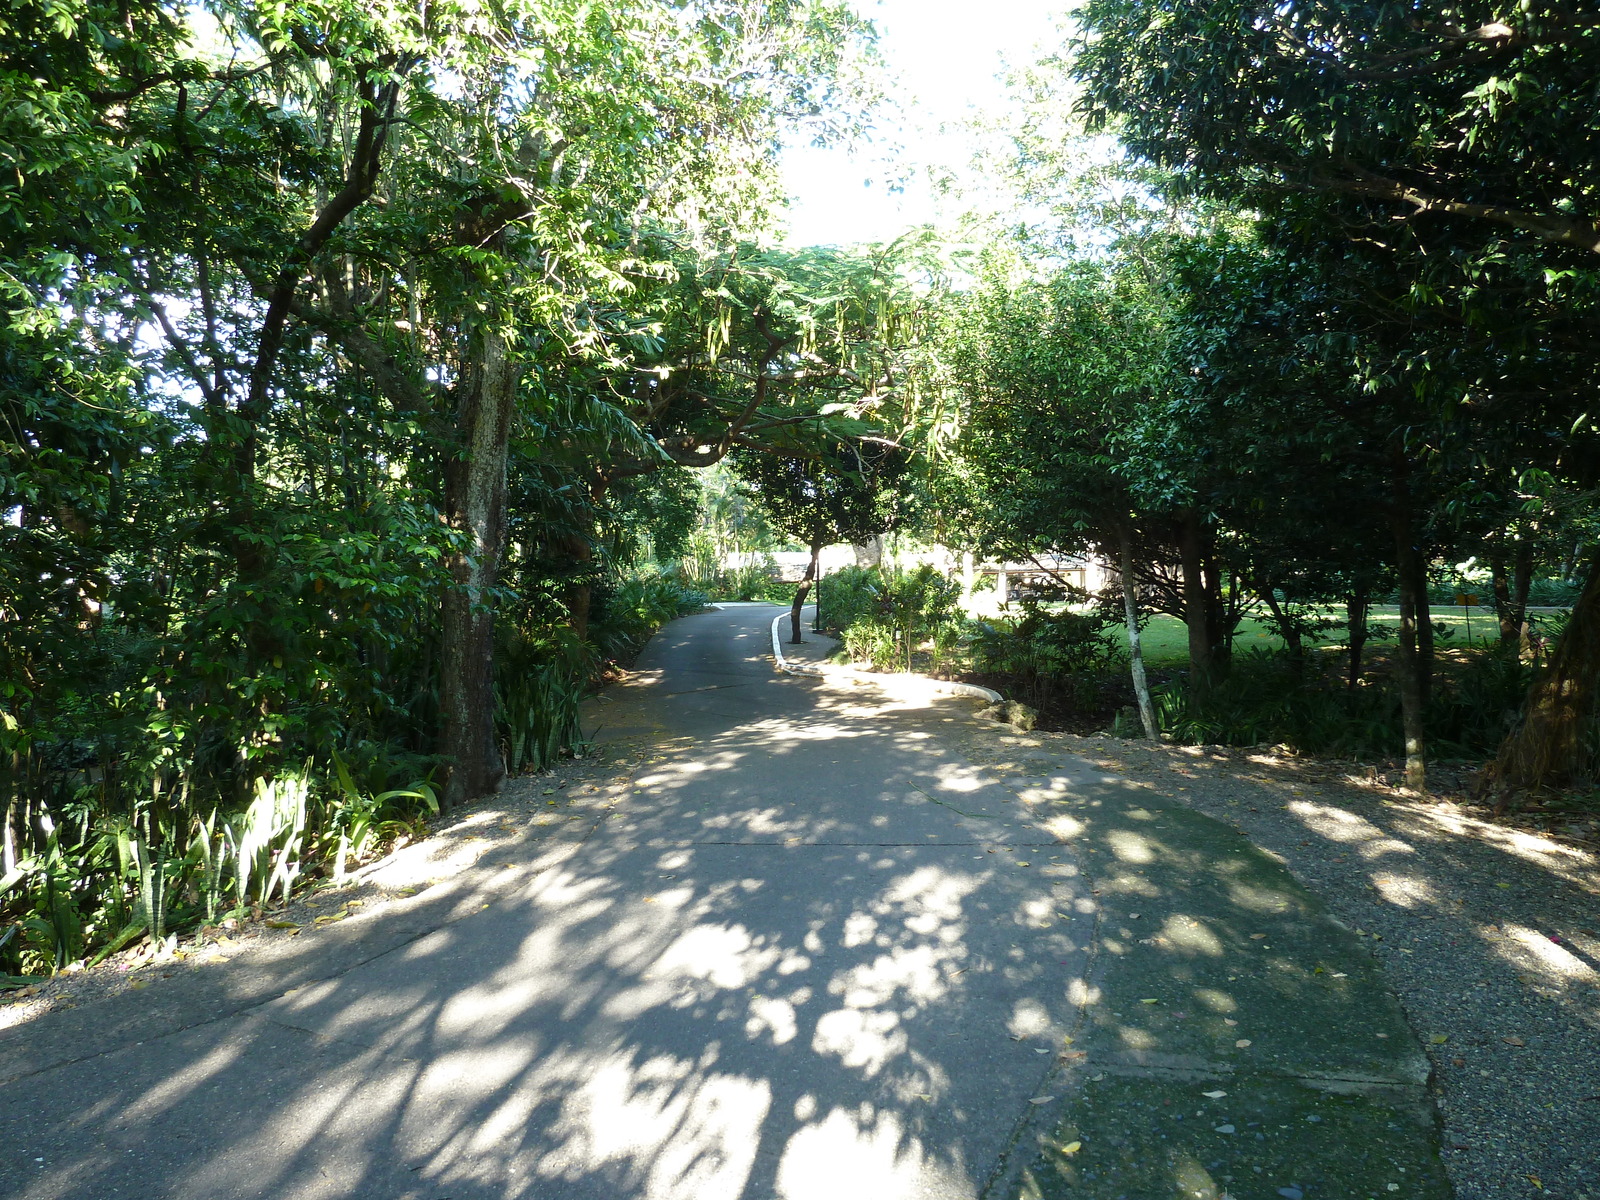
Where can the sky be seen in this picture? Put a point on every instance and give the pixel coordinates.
(947, 55)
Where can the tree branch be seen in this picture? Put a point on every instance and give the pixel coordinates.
(366, 160)
(1584, 235)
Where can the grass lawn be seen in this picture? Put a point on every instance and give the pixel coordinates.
(1166, 639)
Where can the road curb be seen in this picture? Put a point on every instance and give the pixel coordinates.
(939, 687)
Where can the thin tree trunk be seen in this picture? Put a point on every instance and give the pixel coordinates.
(1130, 607)
(1289, 629)
(800, 594)
(1356, 608)
(1424, 623)
(1500, 582)
(1569, 569)
(1196, 608)
(1551, 745)
(1521, 583)
(475, 507)
(580, 546)
(1220, 612)
(1412, 699)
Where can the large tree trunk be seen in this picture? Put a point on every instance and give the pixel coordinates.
(1551, 745)
(1412, 586)
(475, 507)
(800, 594)
(1130, 608)
(1196, 603)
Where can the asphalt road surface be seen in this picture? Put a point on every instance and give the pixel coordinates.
(818, 943)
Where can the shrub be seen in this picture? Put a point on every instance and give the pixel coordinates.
(1264, 699)
(1046, 653)
(885, 616)
(539, 683)
(625, 613)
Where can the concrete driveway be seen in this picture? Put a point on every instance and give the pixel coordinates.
(819, 944)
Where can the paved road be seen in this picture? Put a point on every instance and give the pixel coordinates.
(826, 946)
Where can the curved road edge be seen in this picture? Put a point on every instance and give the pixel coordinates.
(897, 681)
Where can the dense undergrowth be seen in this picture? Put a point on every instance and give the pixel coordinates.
(129, 818)
(1072, 667)
(757, 580)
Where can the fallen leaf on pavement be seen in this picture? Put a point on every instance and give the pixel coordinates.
(1216, 1095)
(1513, 1040)
(1243, 1043)
(1041, 1100)
(1072, 1148)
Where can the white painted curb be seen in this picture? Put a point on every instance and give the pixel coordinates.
(938, 687)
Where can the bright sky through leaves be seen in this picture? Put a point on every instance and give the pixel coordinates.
(949, 58)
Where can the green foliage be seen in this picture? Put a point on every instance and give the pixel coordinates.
(845, 491)
(250, 260)
(886, 616)
(540, 683)
(628, 611)
(1269, 698)
(1047, 653)
(1406, 104)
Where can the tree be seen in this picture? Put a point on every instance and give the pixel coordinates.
(844, 492)
(1420, 107)
(1431, 165)
(314, 315)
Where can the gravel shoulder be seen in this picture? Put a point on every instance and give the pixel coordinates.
(1489, 934)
